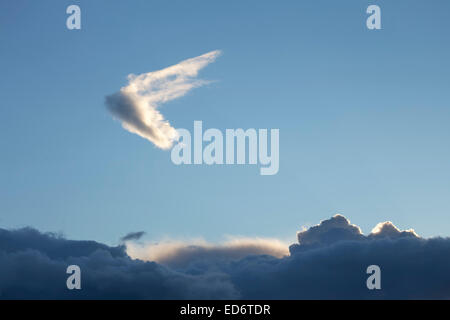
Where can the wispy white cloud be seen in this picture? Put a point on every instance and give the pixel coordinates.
(136, 105)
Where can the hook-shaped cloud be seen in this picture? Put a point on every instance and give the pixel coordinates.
(136, 105)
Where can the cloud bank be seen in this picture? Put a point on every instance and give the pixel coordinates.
(136, 105)
(33, 266)
(328, 262)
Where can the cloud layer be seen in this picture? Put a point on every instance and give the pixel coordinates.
(136, 105)
(328, 262)
(33, 266)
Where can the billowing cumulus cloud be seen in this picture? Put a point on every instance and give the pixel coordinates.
(136, 105)
(328, 262)
(338, 229)
(329, 231)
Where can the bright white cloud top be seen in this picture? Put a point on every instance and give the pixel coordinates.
(136, 105)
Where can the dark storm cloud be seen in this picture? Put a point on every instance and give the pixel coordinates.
(411, 268)
(329, 262)
(33, 266)
(51, 245)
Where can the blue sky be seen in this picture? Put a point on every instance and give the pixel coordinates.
(363, 117)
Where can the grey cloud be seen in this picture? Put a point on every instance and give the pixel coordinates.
(133, 236)
(337, 228)
(411, 268)
(33, 266)
(51, 244)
